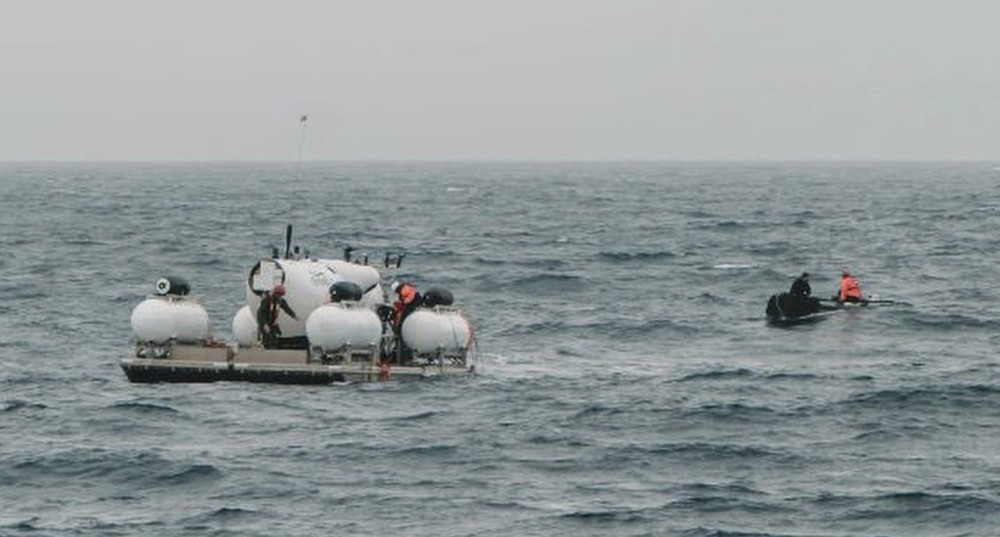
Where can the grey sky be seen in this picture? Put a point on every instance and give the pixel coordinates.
(521, 79)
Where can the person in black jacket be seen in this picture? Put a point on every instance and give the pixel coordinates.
(800, 287)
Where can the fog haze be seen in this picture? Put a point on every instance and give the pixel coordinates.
(503, 79)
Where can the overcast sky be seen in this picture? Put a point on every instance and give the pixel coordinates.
(500, 79)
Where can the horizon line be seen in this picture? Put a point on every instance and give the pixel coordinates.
(441, 160)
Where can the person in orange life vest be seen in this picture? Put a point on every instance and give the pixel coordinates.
(267, 314)
(408, 301)
(850, 289)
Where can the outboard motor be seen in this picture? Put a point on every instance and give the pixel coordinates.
(772, 307)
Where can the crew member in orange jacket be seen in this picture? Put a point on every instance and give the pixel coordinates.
(850, 289)
(408, 301)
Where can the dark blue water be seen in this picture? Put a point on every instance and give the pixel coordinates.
(629, 386)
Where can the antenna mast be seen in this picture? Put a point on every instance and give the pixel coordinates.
(302, 143)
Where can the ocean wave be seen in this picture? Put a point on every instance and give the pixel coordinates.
(921, 505)
(771, 249)
(103, 465)
(731, 411)
(723, 225)
(598, 410)
(717, 374)
(206, 262)
(206, 519)
(726, 489)
(697, 214)
(707, 531)
(949, 321)
(190, 473)
(491, 262)
(544, 262)
(878, 435)
(647, 328)
(144, 408)
(427, 451)
(791, 376)
(637, 257)
(559, 440)
(171, 247)
(83, 241)
(706, 451)
(607, 516)
(23, 525)
(710, 298)
(419, 416)
(804, 215)
(953, 397)
(508, 233)
(524, 329)
(726, 504)
(549, 283)
(734, 266)
(771, 275)
(26, 292)
(616, 330)
(14, 405)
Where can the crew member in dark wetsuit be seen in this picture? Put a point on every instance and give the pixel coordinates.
(267, 315)
(799, 300)
(800, 287)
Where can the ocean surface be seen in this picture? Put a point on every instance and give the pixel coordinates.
(629, 384)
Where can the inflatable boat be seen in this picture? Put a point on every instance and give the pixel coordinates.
(786, 308)
(337, 325)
